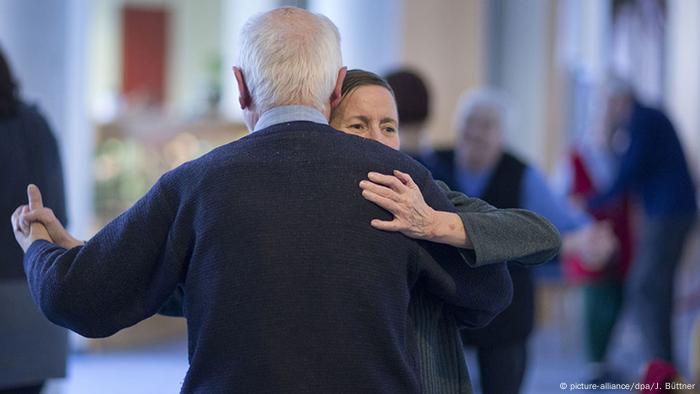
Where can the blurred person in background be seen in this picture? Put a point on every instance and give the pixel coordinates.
(33, 349)
(485, 169)
(602, 286)
(485, 234)
(587, 169)
(413, 103)
(652, 167)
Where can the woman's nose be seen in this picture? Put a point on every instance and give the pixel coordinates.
(376, 134)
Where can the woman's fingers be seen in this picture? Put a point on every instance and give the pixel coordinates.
(43, 215)
(15, 219)
(405, 178)
(383, 202)
(393, 225)
(380, 190)
(24, 224)
(387, 180)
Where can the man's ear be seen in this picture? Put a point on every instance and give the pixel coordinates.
(244, 98)
(337, 95)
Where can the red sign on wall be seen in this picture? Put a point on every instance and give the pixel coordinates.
(144, 54)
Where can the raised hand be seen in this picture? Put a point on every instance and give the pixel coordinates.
(414, 218)
(399, 195)
(25, 231)
(45, 216)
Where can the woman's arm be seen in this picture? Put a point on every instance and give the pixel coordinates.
(474, 295)
(400, 195)
(485, 234)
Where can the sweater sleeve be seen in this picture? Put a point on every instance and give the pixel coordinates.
(499, 235)
(119, 277)
(476, 295)
(633, 163)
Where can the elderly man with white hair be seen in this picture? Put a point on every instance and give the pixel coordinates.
(287, 286)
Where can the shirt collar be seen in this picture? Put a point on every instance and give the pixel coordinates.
(289, 113)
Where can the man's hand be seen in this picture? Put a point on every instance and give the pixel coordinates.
(46, 217)
(26, 232)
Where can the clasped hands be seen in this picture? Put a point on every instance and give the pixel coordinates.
(34, 222)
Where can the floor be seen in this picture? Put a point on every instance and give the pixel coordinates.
(556, 358)
(147, 370)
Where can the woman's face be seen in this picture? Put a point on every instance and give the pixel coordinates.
(369, 111)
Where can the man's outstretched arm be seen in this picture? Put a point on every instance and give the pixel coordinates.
(118, 278)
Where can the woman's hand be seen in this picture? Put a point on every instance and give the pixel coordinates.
(414, 218)
(399, 195)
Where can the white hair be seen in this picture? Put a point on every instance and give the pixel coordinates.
(485, 99)
(290, 56)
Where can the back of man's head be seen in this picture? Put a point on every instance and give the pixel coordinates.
(290, 56)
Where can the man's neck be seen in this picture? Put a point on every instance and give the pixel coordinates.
(287, 113)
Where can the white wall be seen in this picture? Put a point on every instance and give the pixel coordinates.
(234, 13)
(682, 96)
(445, 41)
(520, 69)
(370, 31)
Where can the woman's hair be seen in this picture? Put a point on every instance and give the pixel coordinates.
(8, 90)
(357, 78)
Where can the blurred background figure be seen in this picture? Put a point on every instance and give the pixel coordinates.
(583, 174)
(485, 169)
(654, 168)
(33, 349)
(413, 101)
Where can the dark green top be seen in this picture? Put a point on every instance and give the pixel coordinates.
(497, 235)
